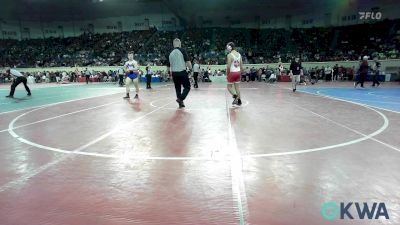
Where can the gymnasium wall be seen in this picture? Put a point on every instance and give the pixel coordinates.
(338, 15)
(26, 30)
(166, 20)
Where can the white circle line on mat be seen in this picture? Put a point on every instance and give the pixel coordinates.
(102, 155)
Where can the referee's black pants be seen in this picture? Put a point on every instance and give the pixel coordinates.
(361, 79)
(181, 79)
(148, 81)
(17, 82)
(335, 76)
(375, 79)
(195, 77)
(121, 80)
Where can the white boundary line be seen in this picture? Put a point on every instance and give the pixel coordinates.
(366, 106)
(388, 110)
(238, 186)
(339, 99)
(382, 96)
(237, 180)
(59, 116)
(20, 181)
(73, 100)
(59, 94)
(14, 100)
(36, 87)
(365, 137)
(350, 129)
(37, 171)
(56, 103)
(380, 130)
(357, 99)
(364, 100)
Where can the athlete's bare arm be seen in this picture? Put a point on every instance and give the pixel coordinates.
(228, 63)
(126, 66)
(241, 66)
(136, 67)
(189, 65)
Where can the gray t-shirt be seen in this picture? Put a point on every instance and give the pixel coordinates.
(16, 73)
(196, 68)
(177, 60)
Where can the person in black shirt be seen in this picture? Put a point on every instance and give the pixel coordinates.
(17, 79)
(87, 76)
(363, 71)
(196, 70)
(376, 68)
(335, 72)
(149, 74)
(178, 64)
(296, 70)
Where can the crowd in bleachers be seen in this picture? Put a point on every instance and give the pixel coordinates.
(271, 52)
(263, 73)
(208, 46)
(156, 47)
(63, 76)
(88, 49)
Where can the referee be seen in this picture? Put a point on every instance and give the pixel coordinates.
(121, 75)
(196, 70)
(149, 74)
(376, 68)
(178, 63)
(296, 70)
(362, 72)
(18, 78)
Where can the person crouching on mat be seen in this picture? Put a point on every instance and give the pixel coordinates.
(17, 79)
(234, 69)
(132, 68)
